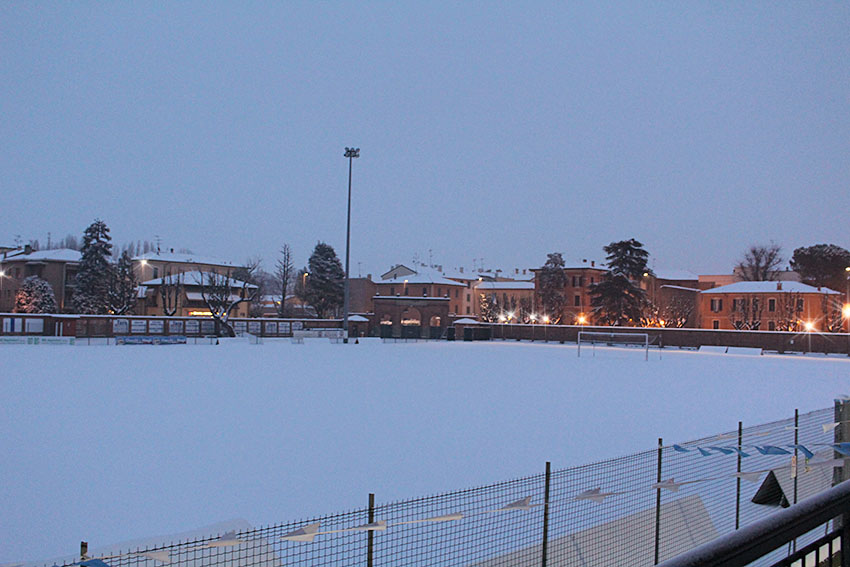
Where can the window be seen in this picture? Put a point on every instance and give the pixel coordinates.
(468, 297)
(467, 309)
(440, 292)
(575, 281)
(771, 326)
(592, 280)
(715, 324)
(756, 304)
(155, 273)
(457, 294)
(771, 306)
(577, 301)
(392, 290)
(716, 306)
(424, 291)
(800, 304)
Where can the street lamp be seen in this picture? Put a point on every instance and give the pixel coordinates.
(2, 275)
(350, 153)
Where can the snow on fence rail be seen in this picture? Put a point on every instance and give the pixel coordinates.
(633, 510)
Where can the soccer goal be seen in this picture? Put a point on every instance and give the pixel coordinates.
(594, 338)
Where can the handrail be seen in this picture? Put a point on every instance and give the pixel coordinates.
(760, 538)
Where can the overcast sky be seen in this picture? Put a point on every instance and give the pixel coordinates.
(491, 131)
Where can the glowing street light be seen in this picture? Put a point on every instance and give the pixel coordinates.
(582, 320)
(809, 326)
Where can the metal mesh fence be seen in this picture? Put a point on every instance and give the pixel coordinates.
(613, 512)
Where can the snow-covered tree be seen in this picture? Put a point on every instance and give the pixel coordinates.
(91, 287)
(325, 281)
(35, 296)
(223, 294)
(551, 281)
(122, 293)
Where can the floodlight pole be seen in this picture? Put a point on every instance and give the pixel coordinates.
(350, 153)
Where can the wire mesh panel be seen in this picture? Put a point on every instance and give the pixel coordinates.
(634, 510)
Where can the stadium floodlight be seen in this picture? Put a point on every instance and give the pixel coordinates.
(350, 153)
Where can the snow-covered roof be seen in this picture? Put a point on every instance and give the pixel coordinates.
(466, 321)
(680, 287)
(769, 287)
(664, 274)
(194, 278)
(358, 319)
(58, 255)
(420, 279)
(178, 258)
(494, 286)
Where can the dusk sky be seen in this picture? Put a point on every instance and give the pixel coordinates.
(487, 131)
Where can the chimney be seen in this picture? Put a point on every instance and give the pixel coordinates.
(592, 263)
(778, 286)
(461, 269)
(27, 249)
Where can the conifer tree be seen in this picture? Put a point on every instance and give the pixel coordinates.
(551, 281)
(325, 281)
(91, 286)
(122, 294)
(35, 296)
(618, 299)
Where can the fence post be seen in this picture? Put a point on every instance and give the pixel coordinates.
(546, 514)
(738, 483)
(842, 435)
(370, 534)
(658, 506)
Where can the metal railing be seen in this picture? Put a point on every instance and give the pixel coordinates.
(763, 537)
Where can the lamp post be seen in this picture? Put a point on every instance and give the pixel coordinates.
(350, 153)
(2, 275)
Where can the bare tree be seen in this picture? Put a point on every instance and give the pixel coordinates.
(171, 291)
(832, 316)
(760, 263)
(223, 294)
(747, 312)
(283, 275)
(253, 273)
(789, 310)
(676, 312)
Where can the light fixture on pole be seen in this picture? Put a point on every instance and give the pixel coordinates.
(350, 153)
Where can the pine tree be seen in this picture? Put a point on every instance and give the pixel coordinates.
(91, 287)
(618, 299)
(35, 296)
(551, 281)
(122, 294)
(284, 272)
(325, 281)
(822, 265)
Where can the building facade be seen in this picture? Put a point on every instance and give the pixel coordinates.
(770, 306)
(58, 267)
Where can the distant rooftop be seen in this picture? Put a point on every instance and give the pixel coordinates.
(193, 278)
(664, 274)
(769, 287)
(180, 258)
(57, 255)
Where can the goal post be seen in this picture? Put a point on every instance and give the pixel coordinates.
(613, 338)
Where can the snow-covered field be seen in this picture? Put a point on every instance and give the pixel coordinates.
(107, 443)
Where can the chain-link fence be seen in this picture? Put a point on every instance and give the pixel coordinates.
(634, 510)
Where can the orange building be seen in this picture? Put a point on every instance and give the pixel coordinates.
(770, 306)
(58, 267)
(576, 292)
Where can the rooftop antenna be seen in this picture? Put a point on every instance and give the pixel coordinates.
(430, 258)
(158, 242)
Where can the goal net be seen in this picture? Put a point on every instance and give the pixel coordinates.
(593, 338)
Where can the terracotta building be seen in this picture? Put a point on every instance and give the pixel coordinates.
(153, 265)
(58, 267)
(576, 292)
(770, 306)
(180, 295)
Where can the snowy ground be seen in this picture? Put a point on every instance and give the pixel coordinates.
(107, 443)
